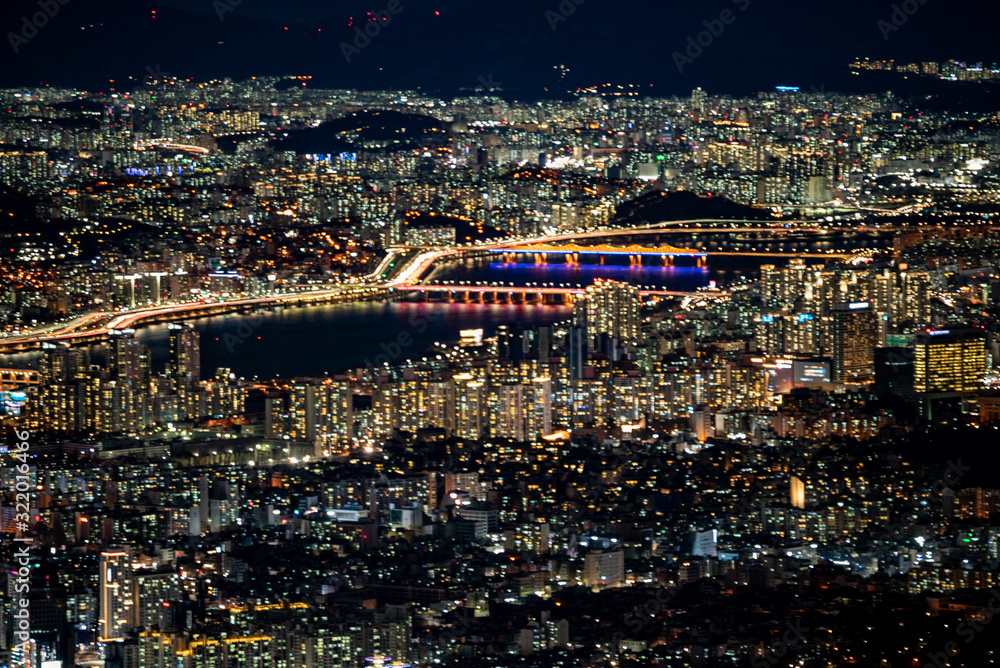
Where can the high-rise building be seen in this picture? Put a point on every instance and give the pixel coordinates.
(507, 411)
(604, 569)
(117, 606)
(698, 100)
(184, 367)
(470, 406)
(855, 334)
(949, 361)
(156, 591)
(441, 405)
(128, 358)
(538, 413)
(913, 302)
(321, 410)
(610, 308)
(185, 352)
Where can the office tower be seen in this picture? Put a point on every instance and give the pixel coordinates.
(854, 333)
(894, 372)
(610, 308)
(117, 605)
(949, 361)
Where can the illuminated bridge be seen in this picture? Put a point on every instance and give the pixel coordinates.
(104, 323)
(539, 294)
(633, 251)
(636, 252)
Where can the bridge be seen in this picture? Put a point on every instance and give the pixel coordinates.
(74, 335)
(538, 294)
(573, 251)
(94, 327)
(636, 253)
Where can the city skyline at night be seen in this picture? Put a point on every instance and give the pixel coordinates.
(567, 334)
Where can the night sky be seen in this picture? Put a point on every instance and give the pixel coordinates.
(448, 45)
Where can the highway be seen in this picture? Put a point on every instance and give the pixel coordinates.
(75, 332)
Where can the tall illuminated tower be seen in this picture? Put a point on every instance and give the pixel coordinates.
(947, 363)
(854, 337)
(117, 606)
(185, 352)
(610, 308)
